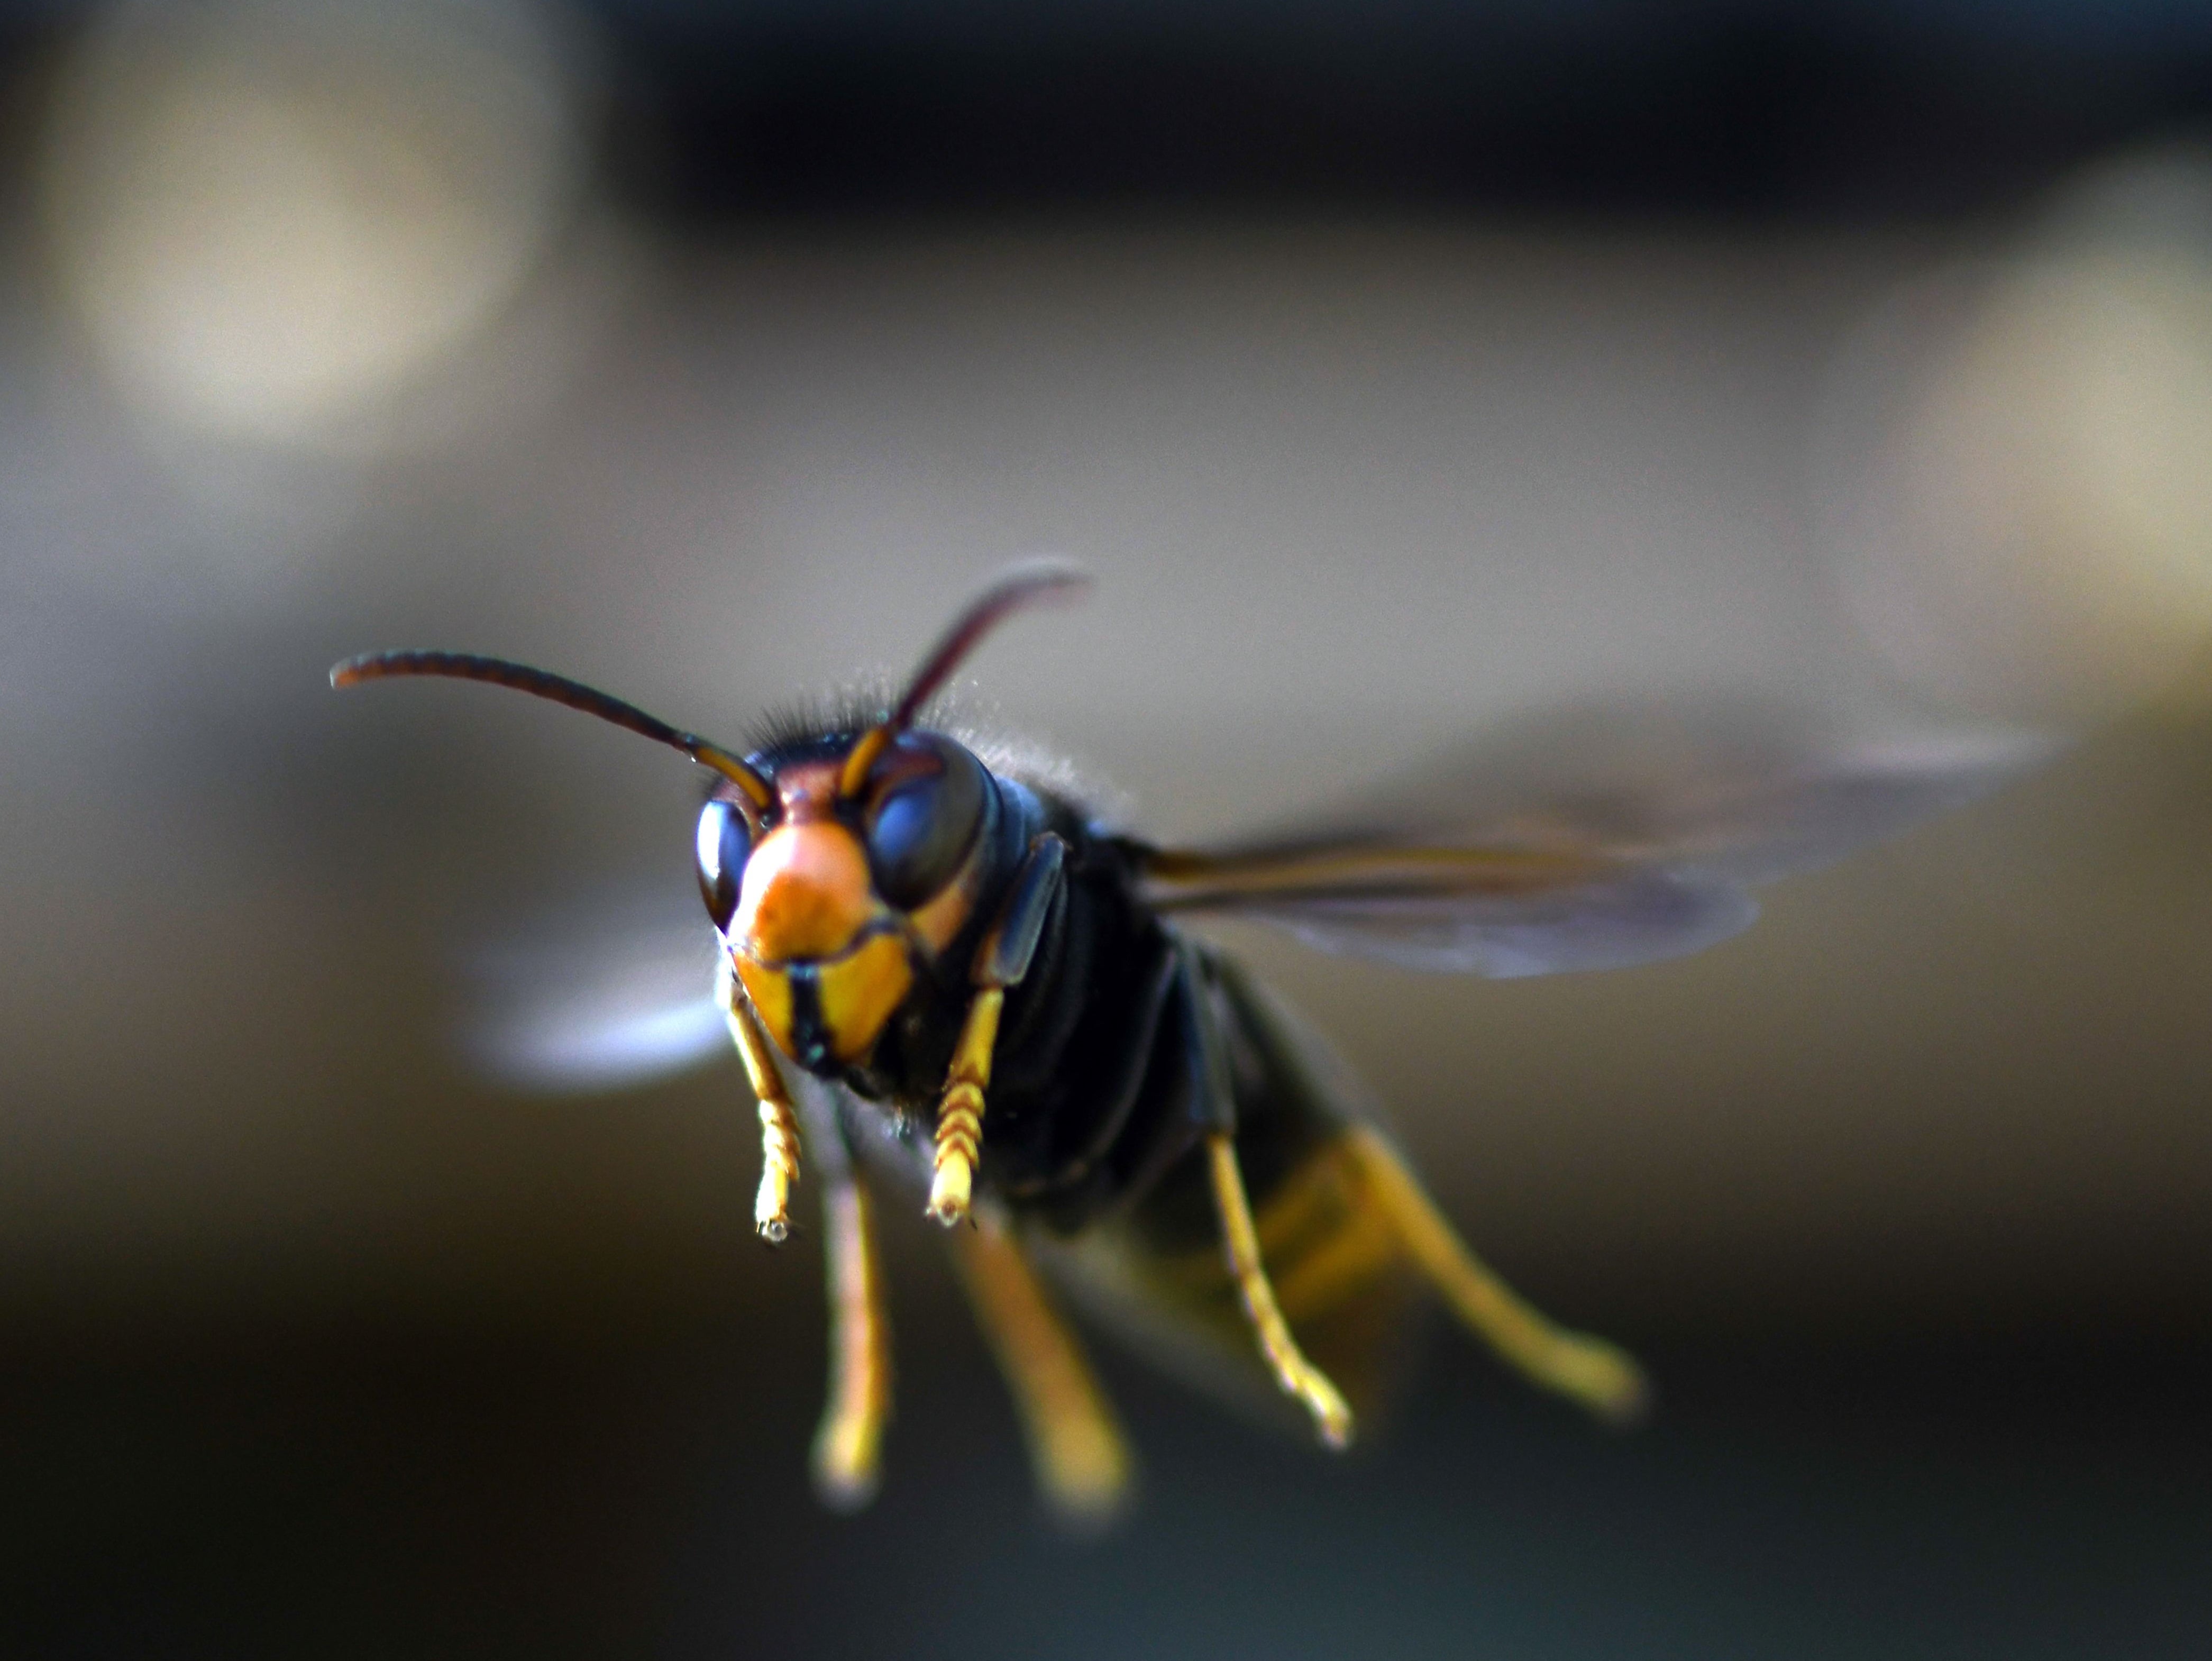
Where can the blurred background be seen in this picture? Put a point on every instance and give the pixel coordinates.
(1398, 370)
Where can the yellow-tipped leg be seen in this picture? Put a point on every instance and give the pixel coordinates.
(1298, 1376)
(779, 1125)
(959, 1138)
(960, 1114)
(779, 1172)
(1076, 1447)
(849, 1446)
(1592, 1371)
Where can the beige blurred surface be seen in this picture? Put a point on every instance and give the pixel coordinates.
(1349, 494)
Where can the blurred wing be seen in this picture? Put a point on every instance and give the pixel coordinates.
(601, 999)
(1634, 917)
(1596, 840)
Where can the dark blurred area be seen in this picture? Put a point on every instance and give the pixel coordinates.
(1737, 113)
(1398, 371)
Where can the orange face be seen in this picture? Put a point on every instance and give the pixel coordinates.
(824, 957)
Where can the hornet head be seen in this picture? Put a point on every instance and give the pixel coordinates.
(834, 866)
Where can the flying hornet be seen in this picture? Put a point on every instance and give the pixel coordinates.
(946, 975)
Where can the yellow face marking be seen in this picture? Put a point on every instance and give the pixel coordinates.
(860, 991)
(769, 991)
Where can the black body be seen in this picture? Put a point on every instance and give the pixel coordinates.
(1122, 1046)
(1114, 1057)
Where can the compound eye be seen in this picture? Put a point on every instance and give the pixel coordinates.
(725, 840)
(921, 824)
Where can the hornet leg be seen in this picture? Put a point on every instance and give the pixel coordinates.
(778, 1127)
(1215, 1095)
(848, 1445)
(1298, 1376)
(1589, 1370)
(960, 1114)
(1076, 1448)
(1000, 961)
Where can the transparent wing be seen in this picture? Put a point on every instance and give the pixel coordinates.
(603, 996)
(1638, 917)
(1597, 839)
